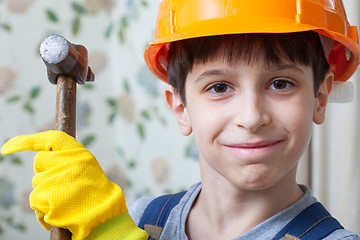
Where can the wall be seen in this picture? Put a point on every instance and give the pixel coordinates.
(122, 117)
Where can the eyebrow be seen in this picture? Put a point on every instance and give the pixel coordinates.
(279, 67)
(210, 73)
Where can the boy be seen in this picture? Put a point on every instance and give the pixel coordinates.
(248, 80)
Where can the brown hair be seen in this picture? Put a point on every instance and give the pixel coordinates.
(301, 48)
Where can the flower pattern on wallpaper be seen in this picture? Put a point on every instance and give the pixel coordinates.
(160, 170)
(18, 6)
(148, 81)
(191, 150)
(7, 198)
(98, 61)
(117, 175)
(126, 107)
(7, 202)
(123, 107)
(83, 114)
(7, 79)
(94, 6)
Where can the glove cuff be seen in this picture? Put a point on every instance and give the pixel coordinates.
(119, 227)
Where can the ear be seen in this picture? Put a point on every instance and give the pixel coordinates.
(322, 98)
(178, 108)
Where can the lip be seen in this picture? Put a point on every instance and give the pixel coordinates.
(254, 147)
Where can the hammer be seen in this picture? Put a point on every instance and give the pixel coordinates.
(67, 64)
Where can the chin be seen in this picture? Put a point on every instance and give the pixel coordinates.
(257, 181)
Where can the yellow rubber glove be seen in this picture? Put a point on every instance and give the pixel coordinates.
(70, 189)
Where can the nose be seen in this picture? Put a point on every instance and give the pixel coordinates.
(252, 112)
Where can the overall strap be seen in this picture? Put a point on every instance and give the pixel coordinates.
(157, 212)
(313, 223)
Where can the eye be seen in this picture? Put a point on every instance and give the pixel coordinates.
(219, 88)
(281, 84)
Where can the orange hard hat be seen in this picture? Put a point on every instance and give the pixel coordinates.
(184, 19)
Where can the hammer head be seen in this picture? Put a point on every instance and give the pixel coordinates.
(64, 58)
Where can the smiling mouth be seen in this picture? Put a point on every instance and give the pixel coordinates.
(258, 147)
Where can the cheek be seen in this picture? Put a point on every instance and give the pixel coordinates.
(206, 126)
(298, 121)
(297, 113)
(207, 117)
(208, 122)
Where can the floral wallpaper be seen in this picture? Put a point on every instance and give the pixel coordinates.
(122, 117)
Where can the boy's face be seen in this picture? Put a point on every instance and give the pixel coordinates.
(251, 122)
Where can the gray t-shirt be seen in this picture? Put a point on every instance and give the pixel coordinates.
(267, 230)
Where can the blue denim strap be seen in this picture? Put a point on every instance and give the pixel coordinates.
(158, 211)
(313, 223)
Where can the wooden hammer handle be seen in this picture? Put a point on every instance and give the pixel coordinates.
(65, 120)
(59, 233)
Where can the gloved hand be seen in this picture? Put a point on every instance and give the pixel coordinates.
(70, 188)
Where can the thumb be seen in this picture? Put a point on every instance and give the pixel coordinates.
(44, 141)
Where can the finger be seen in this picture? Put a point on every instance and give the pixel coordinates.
(44, 141)
(78, 159)
(41, 208)
(41, 218)
(44, 160)
(22, 143)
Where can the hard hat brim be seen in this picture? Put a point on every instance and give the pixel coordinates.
(337, 29)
